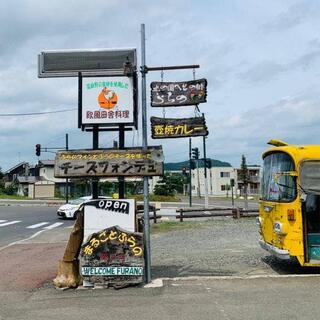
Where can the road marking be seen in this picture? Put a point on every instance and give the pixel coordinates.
(34, 226)
(2, 221)
(57, 224)
(8, 223)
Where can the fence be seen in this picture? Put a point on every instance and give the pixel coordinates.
(236, 213)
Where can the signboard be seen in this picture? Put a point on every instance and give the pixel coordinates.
(68, 63)
(132, 162)
(108, 101)
(170, 94)
(163, 128)
(105, 213)
(113, 256)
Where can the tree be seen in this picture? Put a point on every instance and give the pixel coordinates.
(170, 184)
(244, 176)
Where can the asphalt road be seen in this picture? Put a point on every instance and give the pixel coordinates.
(21, 222)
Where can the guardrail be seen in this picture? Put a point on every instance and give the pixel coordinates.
(236, 213)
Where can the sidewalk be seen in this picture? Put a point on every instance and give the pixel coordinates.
(262, 298)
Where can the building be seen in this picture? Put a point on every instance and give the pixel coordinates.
(254, 173)
(218, 179)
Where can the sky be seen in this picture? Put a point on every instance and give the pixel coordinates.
(261, 60)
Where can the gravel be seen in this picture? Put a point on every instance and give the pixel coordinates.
(217, 247)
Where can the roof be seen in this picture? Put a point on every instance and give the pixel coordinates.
(21, 164)
(46, 163)
(27, 179)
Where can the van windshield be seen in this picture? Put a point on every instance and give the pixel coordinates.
(274, 186)
(310, 176)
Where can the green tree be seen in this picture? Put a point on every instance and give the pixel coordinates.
(244, 177)
(170, 184)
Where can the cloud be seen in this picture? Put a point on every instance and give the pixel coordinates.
(295, 120)
(294, 16)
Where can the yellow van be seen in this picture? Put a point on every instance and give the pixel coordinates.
(289, 210)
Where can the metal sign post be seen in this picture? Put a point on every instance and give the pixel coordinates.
(146, 229)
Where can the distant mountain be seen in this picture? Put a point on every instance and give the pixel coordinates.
(173, 166)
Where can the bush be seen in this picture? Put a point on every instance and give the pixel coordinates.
(11, 190)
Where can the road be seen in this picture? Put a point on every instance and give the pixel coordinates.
(21, 222)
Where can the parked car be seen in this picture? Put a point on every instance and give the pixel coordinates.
(68, 210)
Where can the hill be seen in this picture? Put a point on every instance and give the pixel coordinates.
(173, 166)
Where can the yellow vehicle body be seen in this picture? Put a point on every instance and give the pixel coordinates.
(289, 214)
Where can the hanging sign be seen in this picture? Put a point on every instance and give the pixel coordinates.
(113, 257)
(178, 128)
(169, 94)
(132, 162)
(108, 101)
(104, 213)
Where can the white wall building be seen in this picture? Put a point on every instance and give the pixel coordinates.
(218, 181)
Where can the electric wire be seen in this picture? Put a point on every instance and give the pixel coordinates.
(34, 113)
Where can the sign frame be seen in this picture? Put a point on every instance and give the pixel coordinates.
(130, 162)
(183, 123)
(133, 123)
(86, 61)
(178, 94)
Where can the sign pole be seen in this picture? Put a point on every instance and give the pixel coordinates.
(146, 229)
(121, 146)
(95, 146)
(67, 180)
(190, 174)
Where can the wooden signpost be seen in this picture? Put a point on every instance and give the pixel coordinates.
(113, 257)
(178, 128)
(109, 163)
(175, 94)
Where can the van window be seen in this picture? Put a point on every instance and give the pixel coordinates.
(274, 186)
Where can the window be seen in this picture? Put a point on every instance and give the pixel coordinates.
(274, 186)
(224, 174)
(223, 187)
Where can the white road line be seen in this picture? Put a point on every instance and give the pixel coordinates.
(57, 224)
(8, 223)
(34, 226)
(2, 221)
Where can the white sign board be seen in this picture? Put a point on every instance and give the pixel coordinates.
(107, 100)
(105, 213)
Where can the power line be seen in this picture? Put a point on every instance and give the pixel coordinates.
(34, 113)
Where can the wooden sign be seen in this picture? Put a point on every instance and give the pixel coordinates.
(105, 213)
(170, 94)
(113, 257)
(163, 128)
(132, 162)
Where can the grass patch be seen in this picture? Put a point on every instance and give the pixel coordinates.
(14, 197)
(153, 197)
(167, 226)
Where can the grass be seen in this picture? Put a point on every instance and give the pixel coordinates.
(14, 197)
(153, 197)
(167, 226)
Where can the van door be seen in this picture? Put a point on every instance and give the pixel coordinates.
(311, 213)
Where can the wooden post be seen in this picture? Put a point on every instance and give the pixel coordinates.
(181, 215)
(154, 214)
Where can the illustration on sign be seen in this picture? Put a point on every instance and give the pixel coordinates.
(107, 100)
(108, 163)
(169, 94)
(113, 256)
(178, 128)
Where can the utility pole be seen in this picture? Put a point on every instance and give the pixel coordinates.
(67, 180)
(190, 174)
(146, 228)
(206, 198)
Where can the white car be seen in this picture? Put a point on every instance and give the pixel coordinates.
(69, 209)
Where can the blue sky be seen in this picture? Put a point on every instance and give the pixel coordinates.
(261, 59)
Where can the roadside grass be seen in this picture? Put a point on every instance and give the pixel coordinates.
(153, 197)
(14, 197)
(167, 226)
